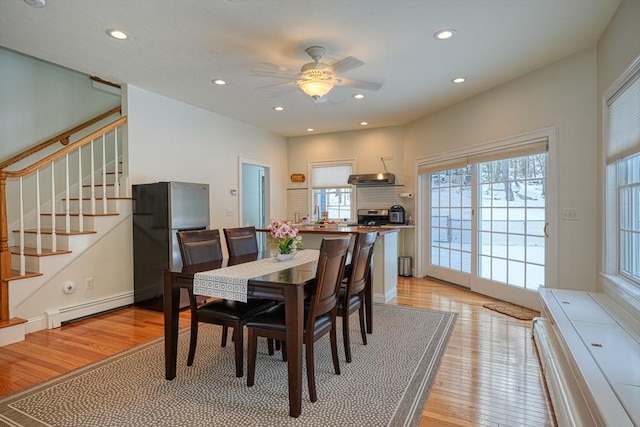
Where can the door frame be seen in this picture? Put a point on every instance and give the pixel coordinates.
(267, 187)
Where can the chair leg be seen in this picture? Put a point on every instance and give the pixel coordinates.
(284, 350)
(345, 337)
(363, 331)
(239, 351)
(311, 376)
(334, 347)
(251, 357)
(270, 346)
(277, 345)
(225, 332)
(193, 340)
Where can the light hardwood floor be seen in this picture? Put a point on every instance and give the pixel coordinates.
(489, 375)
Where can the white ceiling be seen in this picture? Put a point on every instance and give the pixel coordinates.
(176, 47)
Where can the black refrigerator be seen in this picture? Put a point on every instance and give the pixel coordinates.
(159, 211)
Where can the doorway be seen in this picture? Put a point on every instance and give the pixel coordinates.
(254, 196)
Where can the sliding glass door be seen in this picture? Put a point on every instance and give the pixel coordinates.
(487, 223)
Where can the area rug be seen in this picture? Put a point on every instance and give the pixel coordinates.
(387, 382)
(513, 310)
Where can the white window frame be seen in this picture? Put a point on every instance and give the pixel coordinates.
(338, 162)
(617, 285)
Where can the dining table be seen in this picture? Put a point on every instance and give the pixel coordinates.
(289, 284)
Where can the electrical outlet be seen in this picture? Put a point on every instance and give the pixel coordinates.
(69, 288)
(89, 283)
(570, 214)
(230, 212)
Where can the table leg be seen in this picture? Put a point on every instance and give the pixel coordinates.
(294, 311)
(171, 313)
(368, 299)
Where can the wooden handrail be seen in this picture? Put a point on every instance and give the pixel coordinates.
(60, 153)
(62, 137)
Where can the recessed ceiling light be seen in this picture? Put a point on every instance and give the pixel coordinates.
(310, 129)
(444, 34)
(459, 80)
(364, 123)
(358, 96)
(278, 108)
(219, 82)
(117, 34)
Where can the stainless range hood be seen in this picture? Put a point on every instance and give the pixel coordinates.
(372, 179)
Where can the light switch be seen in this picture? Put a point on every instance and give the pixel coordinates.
(570, 214)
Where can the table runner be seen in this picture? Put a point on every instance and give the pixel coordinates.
(231, 282)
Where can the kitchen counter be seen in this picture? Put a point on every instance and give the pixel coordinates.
(385, 252)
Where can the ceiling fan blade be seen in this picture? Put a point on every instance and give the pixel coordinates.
(344, 65)
(278, 89)
(359, 84)
(278, 74)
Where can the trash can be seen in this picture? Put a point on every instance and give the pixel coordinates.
(404, 266)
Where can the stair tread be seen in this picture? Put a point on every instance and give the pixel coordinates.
(83, 214)
(15, 275)
(12, 322)
(98, 199)
(59, 232)
(33, 251)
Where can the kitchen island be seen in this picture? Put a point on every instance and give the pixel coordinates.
(385, 253)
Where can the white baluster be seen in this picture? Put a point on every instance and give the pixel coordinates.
(116, 182)
(38, 225)
(54, 240)
(67, 217)
(80, 217)
(104, 174)
(93, 181)
(21, 232)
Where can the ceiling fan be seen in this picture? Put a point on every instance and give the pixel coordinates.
(316, 78)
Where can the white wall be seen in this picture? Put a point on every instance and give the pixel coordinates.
(563, 95)
(169, 140)
(109, 262)
(39, 100)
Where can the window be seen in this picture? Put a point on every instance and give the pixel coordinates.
(330, 191)
(622, 186)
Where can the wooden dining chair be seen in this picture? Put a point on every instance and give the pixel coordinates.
(204, 246)
(351, 296)
(241, 241)
(319, 318)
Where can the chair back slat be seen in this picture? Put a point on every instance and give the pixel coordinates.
(329, 273)
(360, 260)
(199, 246)
(241, 241)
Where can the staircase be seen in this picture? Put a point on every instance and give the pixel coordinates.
(57, 199)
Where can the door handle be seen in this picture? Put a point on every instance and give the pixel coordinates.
(546, 226)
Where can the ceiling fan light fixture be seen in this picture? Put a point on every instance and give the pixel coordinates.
(316, 88)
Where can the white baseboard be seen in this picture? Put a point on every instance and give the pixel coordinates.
(388, 296)
(53, 318)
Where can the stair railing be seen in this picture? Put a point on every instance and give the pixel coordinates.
(106, 135)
